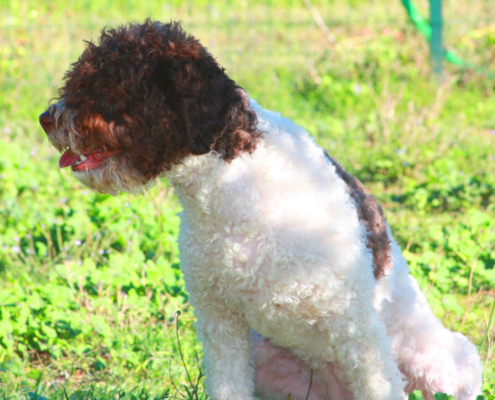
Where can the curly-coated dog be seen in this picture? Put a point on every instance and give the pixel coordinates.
(290, 265)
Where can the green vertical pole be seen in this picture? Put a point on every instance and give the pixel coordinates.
(436, 45)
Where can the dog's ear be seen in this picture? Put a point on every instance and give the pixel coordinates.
(200, 94)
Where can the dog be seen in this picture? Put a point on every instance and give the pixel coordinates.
(298, 285)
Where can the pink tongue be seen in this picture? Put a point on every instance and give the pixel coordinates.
(68, 159)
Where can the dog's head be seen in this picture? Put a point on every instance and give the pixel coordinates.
(141, 100)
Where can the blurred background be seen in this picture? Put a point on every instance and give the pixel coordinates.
(89, 284)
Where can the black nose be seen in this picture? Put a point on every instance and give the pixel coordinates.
(46, 121)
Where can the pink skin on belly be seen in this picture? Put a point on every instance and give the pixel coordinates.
(279, 372)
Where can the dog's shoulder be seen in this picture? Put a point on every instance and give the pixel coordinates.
(294, 140)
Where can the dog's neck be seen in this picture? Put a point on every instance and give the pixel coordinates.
(202, 181)
(190, 175)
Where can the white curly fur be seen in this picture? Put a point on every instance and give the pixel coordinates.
(272, 242)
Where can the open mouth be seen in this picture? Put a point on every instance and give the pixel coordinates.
(85, 161)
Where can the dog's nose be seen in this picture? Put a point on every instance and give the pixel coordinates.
(46, 121)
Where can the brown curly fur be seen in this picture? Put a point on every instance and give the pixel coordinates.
(157, 94)
(371, 214)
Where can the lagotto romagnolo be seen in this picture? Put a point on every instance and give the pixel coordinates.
(290, 265)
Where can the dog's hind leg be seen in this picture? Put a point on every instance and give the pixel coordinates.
(364, 357)
(432, 358)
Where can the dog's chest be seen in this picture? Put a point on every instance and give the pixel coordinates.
(277, 224)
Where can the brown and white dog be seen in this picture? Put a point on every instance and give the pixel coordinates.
(290, 264)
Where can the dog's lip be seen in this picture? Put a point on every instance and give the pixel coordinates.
(86, 160)
(68, 159)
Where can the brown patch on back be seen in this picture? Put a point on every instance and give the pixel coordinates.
(371, 214)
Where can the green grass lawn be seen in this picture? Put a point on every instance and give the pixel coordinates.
(90, 284)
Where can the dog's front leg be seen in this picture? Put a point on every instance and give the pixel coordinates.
(227, 352)
(353, 340)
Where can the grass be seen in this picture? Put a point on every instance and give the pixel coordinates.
(90, 284)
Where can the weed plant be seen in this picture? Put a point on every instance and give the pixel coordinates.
(90, 284)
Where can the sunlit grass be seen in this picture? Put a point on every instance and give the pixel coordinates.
(90, 284)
